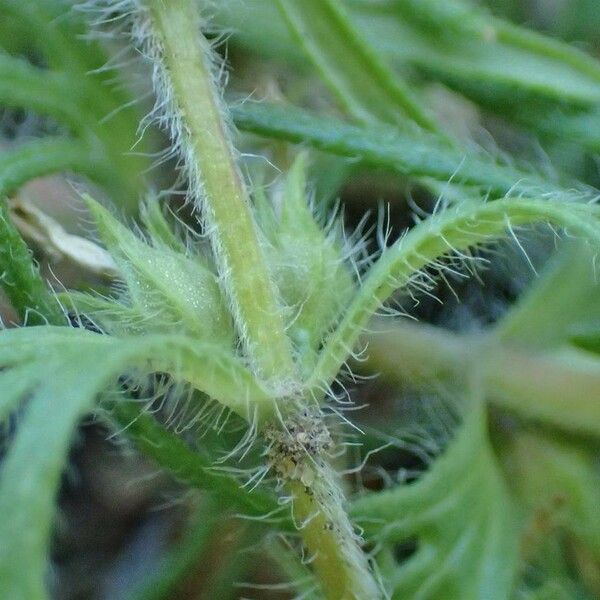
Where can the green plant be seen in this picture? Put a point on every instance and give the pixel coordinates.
(260, 313)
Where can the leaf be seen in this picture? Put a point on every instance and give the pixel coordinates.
(171, 290)
(549, 86)
(20, 278)
(449, 232)
(75, 90)
(558, 386)
(158, 227)
(63, 386)
(55, 31)
(361, 81)
(307, 263)
(412, 153)
(557, 482)
(42, 91)
(43, 157)
(193, 467)
(465, 43)
(462, 517)
(560, 477)
(60, 373)
(54, 241)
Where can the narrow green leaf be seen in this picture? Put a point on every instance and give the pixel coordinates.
(192, 467)
(416, 154)
(169, 289)
(180, 560)
(548, 86)
(66, 388)
(44, 157)
(554, 385)
(15, 384)
(74, 90)
(565, 297)
(46, 93)
(561, 477)
(451, 231)
(455, 39)
(307, 263)
(361, 81)
(53, 29)
(65, 370)
(156, 224)
(444, 39)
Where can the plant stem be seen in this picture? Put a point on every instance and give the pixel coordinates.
(335, 556)
(216, 183)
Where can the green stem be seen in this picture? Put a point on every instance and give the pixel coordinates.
(217, 183)
(330, 542)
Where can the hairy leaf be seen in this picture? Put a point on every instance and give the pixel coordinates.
(306, 258)
(59, 372)
(413, 153)
(20, 278)
(450, 232)
(167, 288)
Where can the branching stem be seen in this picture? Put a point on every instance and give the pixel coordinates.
(217, 183)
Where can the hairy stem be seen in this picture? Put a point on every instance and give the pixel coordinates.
(329, 538)
(216, 181)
